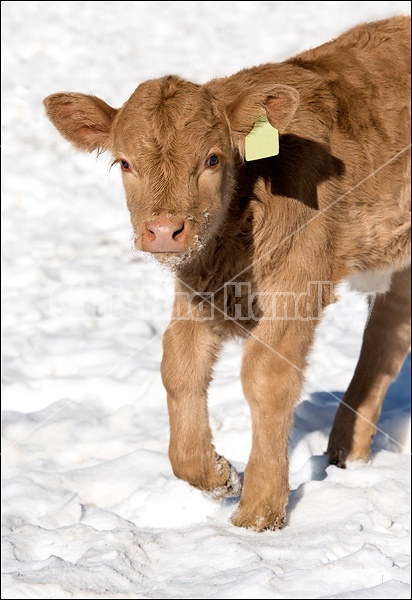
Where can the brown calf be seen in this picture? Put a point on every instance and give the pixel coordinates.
(247, 240)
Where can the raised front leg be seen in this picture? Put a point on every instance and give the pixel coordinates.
(190, 351)
(385, 345)
(271, 377)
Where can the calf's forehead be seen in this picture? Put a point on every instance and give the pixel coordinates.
(168, 115)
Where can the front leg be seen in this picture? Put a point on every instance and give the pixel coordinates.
(190, 350)
(271, 377)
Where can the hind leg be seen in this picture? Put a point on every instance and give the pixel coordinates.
(385, 345)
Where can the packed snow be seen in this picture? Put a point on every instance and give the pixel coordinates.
(91, 508)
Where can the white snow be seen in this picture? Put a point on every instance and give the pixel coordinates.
(91, 508)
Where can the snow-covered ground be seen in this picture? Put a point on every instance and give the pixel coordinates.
(91, 508)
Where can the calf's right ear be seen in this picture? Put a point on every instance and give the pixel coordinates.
(83, 120)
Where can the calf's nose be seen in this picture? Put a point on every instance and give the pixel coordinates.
(164, 235)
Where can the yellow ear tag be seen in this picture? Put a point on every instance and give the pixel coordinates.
(262, 141)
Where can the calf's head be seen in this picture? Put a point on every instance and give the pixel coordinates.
(177, 144)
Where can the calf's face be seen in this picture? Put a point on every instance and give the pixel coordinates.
(174, 149)
(177, 144)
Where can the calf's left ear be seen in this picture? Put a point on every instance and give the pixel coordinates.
(278, 102)
(83, 120)
(281, 104)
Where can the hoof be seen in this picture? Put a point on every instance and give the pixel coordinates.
(337, 457)
(255, 520)
(232, 486)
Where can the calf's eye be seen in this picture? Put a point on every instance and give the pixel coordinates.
(125, 165)
(212, 160)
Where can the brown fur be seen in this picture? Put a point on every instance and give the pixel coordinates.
(334, 203)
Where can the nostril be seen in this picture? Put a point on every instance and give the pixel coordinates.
(178, 231)
(149, 230)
